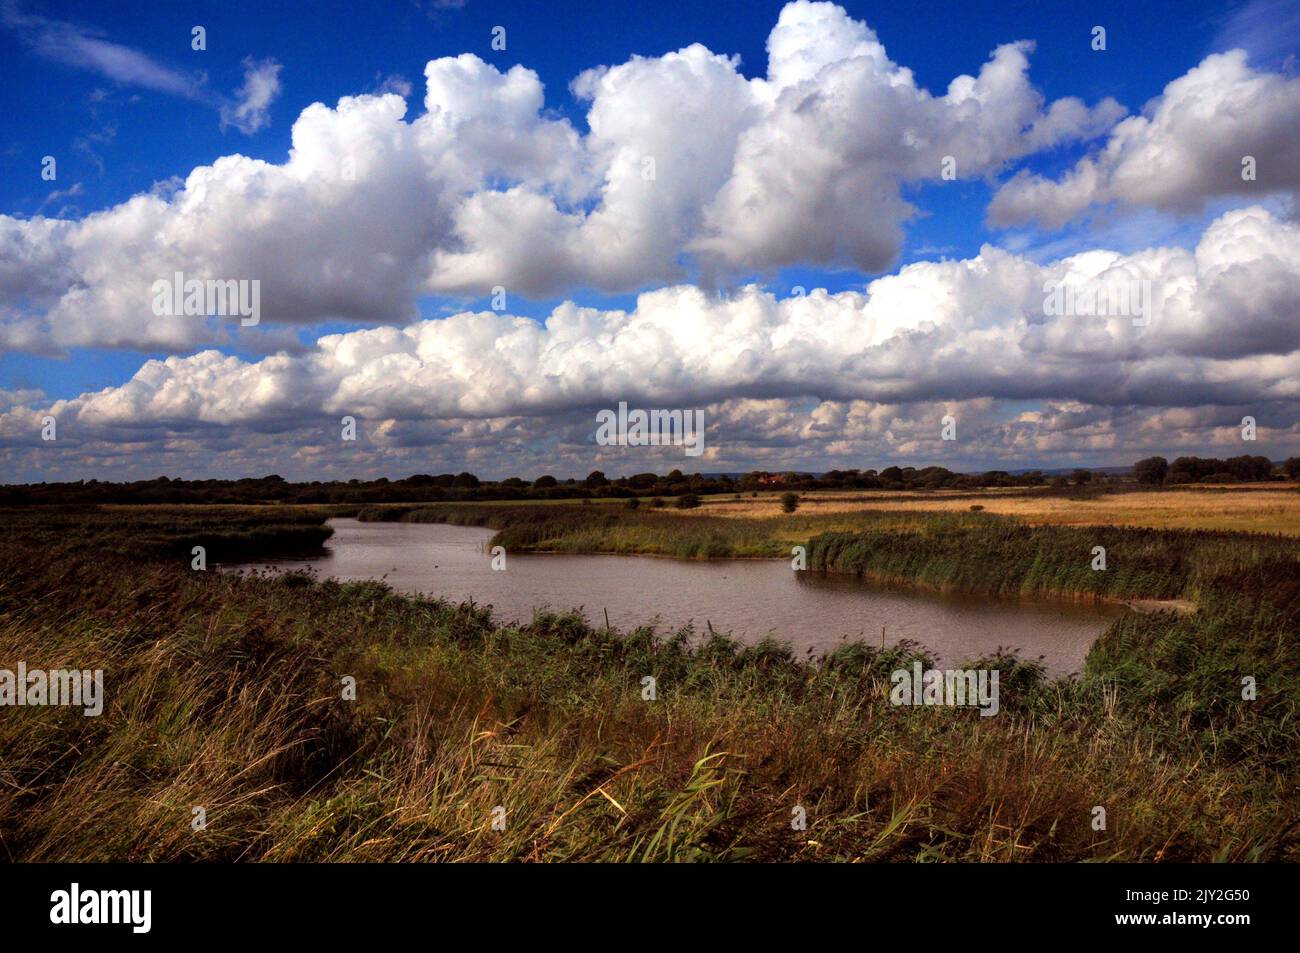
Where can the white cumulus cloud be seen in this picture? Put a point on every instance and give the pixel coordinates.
(686, 167)
(1187, 147)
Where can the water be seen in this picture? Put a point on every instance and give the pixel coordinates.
(746, 598)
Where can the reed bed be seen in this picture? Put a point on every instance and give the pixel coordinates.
(473, 741)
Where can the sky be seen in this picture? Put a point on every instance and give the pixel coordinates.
(840, 230)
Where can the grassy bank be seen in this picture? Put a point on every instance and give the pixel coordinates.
(227, 533)
(691, 534)
(999, 556)
(225, 693)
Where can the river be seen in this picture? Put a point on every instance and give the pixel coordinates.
(744, 597)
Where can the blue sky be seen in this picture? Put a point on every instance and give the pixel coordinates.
(55, 108)
(117, 135)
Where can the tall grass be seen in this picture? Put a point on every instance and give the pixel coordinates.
(228, 533)
(991, 554)
(617, 529)
(225, 692)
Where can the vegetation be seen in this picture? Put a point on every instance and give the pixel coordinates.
(1002, 557)
(466, 487)
(1152, 470)
(694, 534)
(1264, 508)
(225, 692)
(227, 533)
(1243, 469)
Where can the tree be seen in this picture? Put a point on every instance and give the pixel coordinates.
(596, 479)
(1081, 476)
(1292, 467)
(789, 502)
(1248, 468)
(687, 501)
(545, 482)
(633, 503)
(1152, 470)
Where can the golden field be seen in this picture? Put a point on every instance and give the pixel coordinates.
(1253, 508)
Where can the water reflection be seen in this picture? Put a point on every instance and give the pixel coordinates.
(747, 598)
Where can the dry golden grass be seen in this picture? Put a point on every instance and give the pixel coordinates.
(1265, 508)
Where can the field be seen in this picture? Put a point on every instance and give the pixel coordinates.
(224, 693)
(755, 526)
(1258, 508)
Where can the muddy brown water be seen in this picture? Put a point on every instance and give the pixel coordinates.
(746, 598)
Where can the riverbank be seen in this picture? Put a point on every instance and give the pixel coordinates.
(227, 693)
(973, 552)
(1268, 509)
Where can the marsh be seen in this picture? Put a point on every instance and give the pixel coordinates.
(748, 598)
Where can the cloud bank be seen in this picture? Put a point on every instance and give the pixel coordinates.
(687, 167)
(688, 176)
(1221, 333)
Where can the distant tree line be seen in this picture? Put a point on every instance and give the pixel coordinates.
(466, 487)
(1242, 469)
